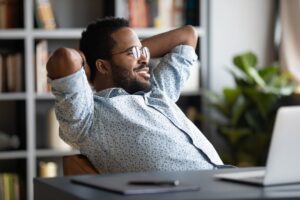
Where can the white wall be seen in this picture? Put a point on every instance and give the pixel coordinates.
(237, 26)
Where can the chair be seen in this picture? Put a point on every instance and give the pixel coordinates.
(78, 165)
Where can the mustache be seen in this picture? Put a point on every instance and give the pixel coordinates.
(141, 66)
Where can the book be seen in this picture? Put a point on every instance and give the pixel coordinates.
(10, 13)
(165, 13)
(9, 186)
(44, 14)
(2, 74)
(16, 187)
(156, 13)
(14, 72)
(41, 57)
(152, 7)
(2, 14)
(177, 13)
(137, 13)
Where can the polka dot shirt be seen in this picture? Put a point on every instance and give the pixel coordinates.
(121, 132)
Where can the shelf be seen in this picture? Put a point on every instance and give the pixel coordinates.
(12, 96)
(76, 33)
(12, 34)
(12, 154)
(45, 96)
(25, 113)
(58, 33)
(55, 152)
(147, 32)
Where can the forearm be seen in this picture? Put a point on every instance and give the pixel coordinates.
(162, 43)
(74, 105)
(63, 62)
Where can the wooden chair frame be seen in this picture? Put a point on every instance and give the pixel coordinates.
(78, 165)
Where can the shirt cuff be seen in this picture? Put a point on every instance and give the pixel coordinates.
(71, 83)
(187, 51)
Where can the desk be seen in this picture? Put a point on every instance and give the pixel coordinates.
(211, 188)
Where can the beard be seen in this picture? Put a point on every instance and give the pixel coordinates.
(125, 79)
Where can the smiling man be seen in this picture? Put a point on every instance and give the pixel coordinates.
(129, 121)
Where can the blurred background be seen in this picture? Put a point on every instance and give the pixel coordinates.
(248, 66)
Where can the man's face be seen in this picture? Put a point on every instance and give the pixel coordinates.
(129, 63)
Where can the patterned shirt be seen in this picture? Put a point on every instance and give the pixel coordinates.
(144, 131)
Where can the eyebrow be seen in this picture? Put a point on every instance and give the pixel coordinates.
(129, 48)
(132, 47)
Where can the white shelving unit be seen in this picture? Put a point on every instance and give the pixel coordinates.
(67, 35)
(13, 155)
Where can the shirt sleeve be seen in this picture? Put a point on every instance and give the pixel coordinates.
(173, 70)
(73, 106)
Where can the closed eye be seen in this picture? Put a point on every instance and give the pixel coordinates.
(129, 52)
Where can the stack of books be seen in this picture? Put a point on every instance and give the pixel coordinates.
(9, 186)
(160, 13)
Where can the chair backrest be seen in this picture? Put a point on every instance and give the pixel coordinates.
(78, 165)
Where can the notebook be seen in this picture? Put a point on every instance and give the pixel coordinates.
(128, 184)
(283, 163)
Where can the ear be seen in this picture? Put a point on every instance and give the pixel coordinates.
(102, 66)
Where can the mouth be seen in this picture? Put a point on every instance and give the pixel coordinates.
(143, 71)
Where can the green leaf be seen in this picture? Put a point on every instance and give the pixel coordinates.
(247, 63)
(281, 80)
(268, 73)
(234, 135)
(238, 111)
(217, 102)
(263, 101)
(253, 121)
(212, 97)
(231, 95)
(287, 90)
(248, 109)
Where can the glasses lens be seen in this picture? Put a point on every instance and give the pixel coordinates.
(146, 52)
(136, 52)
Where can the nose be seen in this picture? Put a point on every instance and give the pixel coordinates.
(143, 59)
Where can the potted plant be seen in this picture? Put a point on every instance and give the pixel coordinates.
(247, 111)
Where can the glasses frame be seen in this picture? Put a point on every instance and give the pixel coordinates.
(137, 52)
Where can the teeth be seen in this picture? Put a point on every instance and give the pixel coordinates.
(143, 72)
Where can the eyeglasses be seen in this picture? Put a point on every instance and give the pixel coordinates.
(136, 52)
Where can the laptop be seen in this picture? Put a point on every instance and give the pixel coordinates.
(283, 163)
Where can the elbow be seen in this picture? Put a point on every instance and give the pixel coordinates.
(55, 62)
(192, 36)
(57, 57)
(63, 62)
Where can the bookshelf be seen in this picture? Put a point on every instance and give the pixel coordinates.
(24, 112)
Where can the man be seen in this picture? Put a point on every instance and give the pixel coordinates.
(130, 122)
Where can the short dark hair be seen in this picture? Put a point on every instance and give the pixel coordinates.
(96, 41)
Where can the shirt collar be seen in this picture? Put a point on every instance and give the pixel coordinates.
(113, 92)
